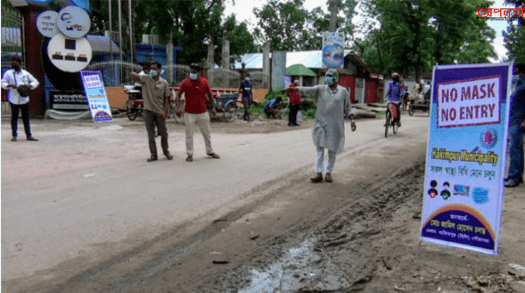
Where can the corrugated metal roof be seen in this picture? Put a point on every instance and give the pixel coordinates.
(100, 44)
(310, 59)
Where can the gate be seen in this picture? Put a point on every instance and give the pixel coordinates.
(12, 44)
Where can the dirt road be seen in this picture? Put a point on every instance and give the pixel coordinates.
(82, 211)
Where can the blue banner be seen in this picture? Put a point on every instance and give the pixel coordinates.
(466, 154)
(96, 96)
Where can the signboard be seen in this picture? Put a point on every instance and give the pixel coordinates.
(96, 96)
(68, 100)
(73, 22)
(333, 49)
(69, 55)
(463, 193)
(46, 23)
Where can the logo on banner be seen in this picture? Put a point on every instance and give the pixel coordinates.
(489, 138)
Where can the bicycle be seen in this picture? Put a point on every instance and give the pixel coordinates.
(391, 114)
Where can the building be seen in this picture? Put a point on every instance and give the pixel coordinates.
(365, 86)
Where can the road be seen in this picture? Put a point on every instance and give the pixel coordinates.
(84, 193)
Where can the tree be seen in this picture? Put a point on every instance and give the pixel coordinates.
(514, 36)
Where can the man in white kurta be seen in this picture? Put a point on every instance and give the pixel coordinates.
(333, 105)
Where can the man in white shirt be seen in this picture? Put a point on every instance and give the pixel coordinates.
(18, 82)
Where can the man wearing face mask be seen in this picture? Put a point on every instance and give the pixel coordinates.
(197, 93)
(333, 105)
(295, 101)
(156, 95)
(18, 82)
(247, 96)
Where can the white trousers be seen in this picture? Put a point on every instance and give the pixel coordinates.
(320, 158)
(203, 121)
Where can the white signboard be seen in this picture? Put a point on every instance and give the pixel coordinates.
(46, 23)
(466, 152)
(69, 55)
(74, 22)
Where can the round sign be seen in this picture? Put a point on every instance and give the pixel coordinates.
(69, 55)
(46, 23)
(333, 56)
(74, 22)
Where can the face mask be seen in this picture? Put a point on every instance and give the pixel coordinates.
(153, 73)
(296, 81)
(193, 76)
(16, 67)
(247, 79)
(329, 80)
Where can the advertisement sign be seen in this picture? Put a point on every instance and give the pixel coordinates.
(73, 22)
(333, 49)
(46, 23)
(465, 164)
(68, 100)
(96, 95)
(69, 55)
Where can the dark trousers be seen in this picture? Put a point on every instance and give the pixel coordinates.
(151, 119)
(292, 117)
(25, 117)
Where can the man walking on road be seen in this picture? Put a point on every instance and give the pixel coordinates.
(333, 105)
(295, 101)
(516, 132)
(197, 92)
(156, 95)
(247, 96)
(18, 82)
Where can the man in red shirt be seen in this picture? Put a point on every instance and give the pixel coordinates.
(197, 92)
(295, 101)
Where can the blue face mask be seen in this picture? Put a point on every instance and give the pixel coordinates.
(193, 76)
(329, 80)
(153, 73)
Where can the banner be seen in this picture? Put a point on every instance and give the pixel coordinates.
(333, 49)
(466, 154)
(68, 100)
(96, 96)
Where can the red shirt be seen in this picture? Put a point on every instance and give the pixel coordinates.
(195, 94)
(295, 97)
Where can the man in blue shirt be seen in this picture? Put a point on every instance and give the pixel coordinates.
(395, 95)
(516, 133)
(247, 96)
(270, 108)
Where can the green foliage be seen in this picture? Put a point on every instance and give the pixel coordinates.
(190, 24)
(514, 36)
(413, 36)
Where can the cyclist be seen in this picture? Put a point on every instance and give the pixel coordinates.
(395, 95)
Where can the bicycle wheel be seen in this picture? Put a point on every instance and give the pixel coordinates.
(230, 113)
(410, 110)
(387, 122)
(394, 127)
(131, 111)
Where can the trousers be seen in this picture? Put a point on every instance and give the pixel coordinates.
(24, 108)
(320, 158)
(151, 119)
(203, 121)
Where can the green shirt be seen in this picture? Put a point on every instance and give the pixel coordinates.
(153, 93)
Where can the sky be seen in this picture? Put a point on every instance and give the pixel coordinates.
(243, 11)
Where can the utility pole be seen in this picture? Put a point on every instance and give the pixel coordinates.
(333, 14)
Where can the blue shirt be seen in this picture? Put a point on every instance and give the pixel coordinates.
(267, 105)
(246, 87)
(395, 92)
(517, 110)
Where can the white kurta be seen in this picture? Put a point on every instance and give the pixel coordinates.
(332, 108)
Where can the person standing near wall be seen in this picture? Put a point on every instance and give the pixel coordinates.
(295, 102)
(247, 96)
(18, 83)
(517, 130)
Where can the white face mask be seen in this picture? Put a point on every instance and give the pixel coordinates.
(193, 76)
(296, 81)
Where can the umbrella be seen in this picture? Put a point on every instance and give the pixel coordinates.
(299, 70)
